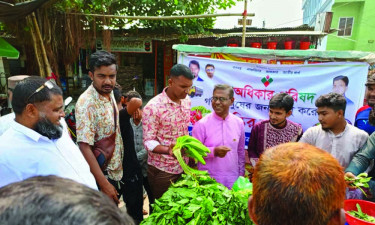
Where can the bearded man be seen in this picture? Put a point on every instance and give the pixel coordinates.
(36, 143)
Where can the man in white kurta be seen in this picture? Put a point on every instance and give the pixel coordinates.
(36, 143)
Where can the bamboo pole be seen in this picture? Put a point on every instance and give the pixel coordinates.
(47, 67)
(156, 68)
(244, 25)
(35, 45)
(163, 17)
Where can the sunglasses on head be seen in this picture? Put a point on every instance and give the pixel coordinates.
(47, 84)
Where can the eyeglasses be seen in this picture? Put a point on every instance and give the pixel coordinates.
(47, 84)
(221, 99)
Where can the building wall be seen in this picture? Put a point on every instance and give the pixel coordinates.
(340, 10)
(366, 35)
(362, 38)
(313, 7)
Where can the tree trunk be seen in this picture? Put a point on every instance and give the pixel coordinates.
(46, 65)
(38, 58)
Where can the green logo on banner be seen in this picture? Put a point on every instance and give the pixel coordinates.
(267, 80)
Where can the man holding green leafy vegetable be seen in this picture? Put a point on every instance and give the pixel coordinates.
(165, 118)
(360, 162)
(223, 133)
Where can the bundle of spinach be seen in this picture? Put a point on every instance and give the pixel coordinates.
(194, 149)
(196, 198)
(361, 215)
(360, 181)
(200, 200)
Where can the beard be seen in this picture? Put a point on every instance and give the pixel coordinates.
(371, 117)
(48, 129)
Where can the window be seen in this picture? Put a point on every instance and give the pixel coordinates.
(345, 26)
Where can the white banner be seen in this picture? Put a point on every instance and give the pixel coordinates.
(255, 84)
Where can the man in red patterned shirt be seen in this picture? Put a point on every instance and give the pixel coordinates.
(165, 118)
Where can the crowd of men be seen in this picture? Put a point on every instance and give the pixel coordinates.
(123, 147)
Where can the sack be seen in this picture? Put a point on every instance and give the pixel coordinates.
(103, 150)
(242, 184)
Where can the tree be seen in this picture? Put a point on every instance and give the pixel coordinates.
(65, 34)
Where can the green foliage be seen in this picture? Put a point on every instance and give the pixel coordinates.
(152, 8)
(193, 148)
(361, 181)
(200, 200)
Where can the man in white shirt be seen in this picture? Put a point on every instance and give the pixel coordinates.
(334, 134)
(36, 143)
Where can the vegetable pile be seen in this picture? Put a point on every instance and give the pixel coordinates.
(196, 198)
(361, 215)
(200, 200)
(360, 182)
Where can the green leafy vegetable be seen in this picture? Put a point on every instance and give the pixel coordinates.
(200, 200)
(360, 181)
(193, 149)
(361, 215)
(196, 198)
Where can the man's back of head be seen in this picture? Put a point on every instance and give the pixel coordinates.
(297, 183)
(54, 201)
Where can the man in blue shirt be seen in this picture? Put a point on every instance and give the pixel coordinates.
(362, 116)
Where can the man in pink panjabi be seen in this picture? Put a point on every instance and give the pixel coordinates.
(223, 133)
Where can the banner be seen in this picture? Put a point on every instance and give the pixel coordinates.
(255, 84)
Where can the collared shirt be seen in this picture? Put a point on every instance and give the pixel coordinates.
(342, 146)
(25, 153)
(95, 121)
(139, 147)
(5, 122)
(213, 131)
(163, 122)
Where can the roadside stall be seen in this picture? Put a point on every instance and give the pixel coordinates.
(255, 75)
(7, 51)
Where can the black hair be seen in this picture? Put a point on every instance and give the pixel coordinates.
(224, 87)
(343, 78)
(51, 200)
(101, 58)
(181, 70)
(282, 101)
(208, 65)
(117, 93)
(26, 87)
(132, 94)
(194, 62)
(332, 100)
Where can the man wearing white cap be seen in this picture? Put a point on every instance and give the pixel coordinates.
(5, 120)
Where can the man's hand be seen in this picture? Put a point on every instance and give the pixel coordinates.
(108, 189)
(349, 182)
(221, 151)
(170, 149)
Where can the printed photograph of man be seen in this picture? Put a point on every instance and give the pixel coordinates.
(340, 86)
(210, 70)
(195, 68)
